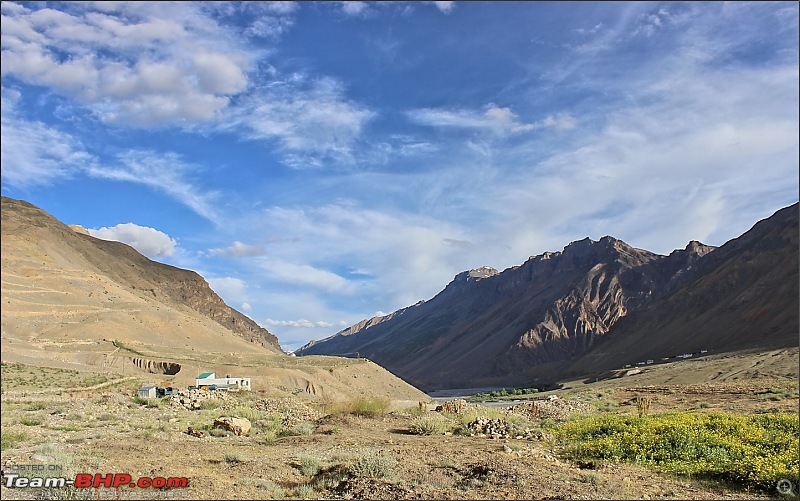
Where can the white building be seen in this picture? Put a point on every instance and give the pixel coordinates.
(146, 392)
(209, 380)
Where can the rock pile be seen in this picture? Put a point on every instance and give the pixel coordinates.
(557, 408)
(193, 399)
(452, 406)
(292, 411)
(500, 428)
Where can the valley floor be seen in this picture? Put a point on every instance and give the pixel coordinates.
(299, 449)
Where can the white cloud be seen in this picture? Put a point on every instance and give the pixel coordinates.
(143, 64)
(407, 252)
(34, 153)
(311, 120)
(246, 307)
(354, 8)
(303, 323)
(307, 275)
(148, 241)
(703, 159)
(238, 249)
(231, 290)
(164, 172)
(446, 7)
(500, 121)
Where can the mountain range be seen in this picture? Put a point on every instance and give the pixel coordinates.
(593, 307)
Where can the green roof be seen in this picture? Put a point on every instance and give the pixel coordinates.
(205, 375)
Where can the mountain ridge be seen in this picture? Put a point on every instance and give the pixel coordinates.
(527, 323)
(28, 226)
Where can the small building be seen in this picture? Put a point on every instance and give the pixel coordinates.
(147, 392)
(210, 381)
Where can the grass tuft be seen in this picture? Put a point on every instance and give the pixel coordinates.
(371, 463)
(429, 425)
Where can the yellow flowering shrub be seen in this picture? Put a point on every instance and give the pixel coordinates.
(752, 451)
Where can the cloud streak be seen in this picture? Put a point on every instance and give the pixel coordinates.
(500, 121)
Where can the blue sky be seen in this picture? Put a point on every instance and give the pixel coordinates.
(321, 163)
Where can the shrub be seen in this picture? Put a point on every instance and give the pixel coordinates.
(248, 413)
(752, 451)
(304, 491)
(36, 406)
(361, 406)
(9, 439)
(428, 425)
(300, 429)
(152, 403)
(234, 457)
(310, 465)
(275, 491)
(31, 421)
(210, 404)
(371, 463)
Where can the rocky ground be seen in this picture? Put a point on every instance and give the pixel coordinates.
(301, 449)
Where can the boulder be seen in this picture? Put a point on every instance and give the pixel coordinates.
(239, 426)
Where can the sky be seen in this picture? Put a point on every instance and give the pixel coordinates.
(323, 163)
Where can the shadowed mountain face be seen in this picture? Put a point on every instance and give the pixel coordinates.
(743, 295)
(47, 265)
(592, 307)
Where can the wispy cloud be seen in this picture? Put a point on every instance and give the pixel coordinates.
(311, 120)
(238, 249)
(495, 119)
(164, 172)
(35, 153)
(307, 324)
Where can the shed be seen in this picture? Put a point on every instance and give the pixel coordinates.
(146, 392)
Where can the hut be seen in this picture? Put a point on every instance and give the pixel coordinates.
(147, 392)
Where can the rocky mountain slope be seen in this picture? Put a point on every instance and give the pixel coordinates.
(76, 302)
(29, 233)
(744, 295)
(530, 323)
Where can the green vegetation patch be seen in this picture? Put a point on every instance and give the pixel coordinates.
(360, 407)
(503, 394)
(429, 425)
(751, 451)
(21, 377)
(10, 439)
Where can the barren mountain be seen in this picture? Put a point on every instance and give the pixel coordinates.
(743, 295)
(529, 323)
(74, 301)
(34, 241)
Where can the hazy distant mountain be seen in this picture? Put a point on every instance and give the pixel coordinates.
(563, 312)
(59, 281)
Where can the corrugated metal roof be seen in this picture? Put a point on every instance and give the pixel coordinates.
(146, 388)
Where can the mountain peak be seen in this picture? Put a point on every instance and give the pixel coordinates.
(476, 274)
